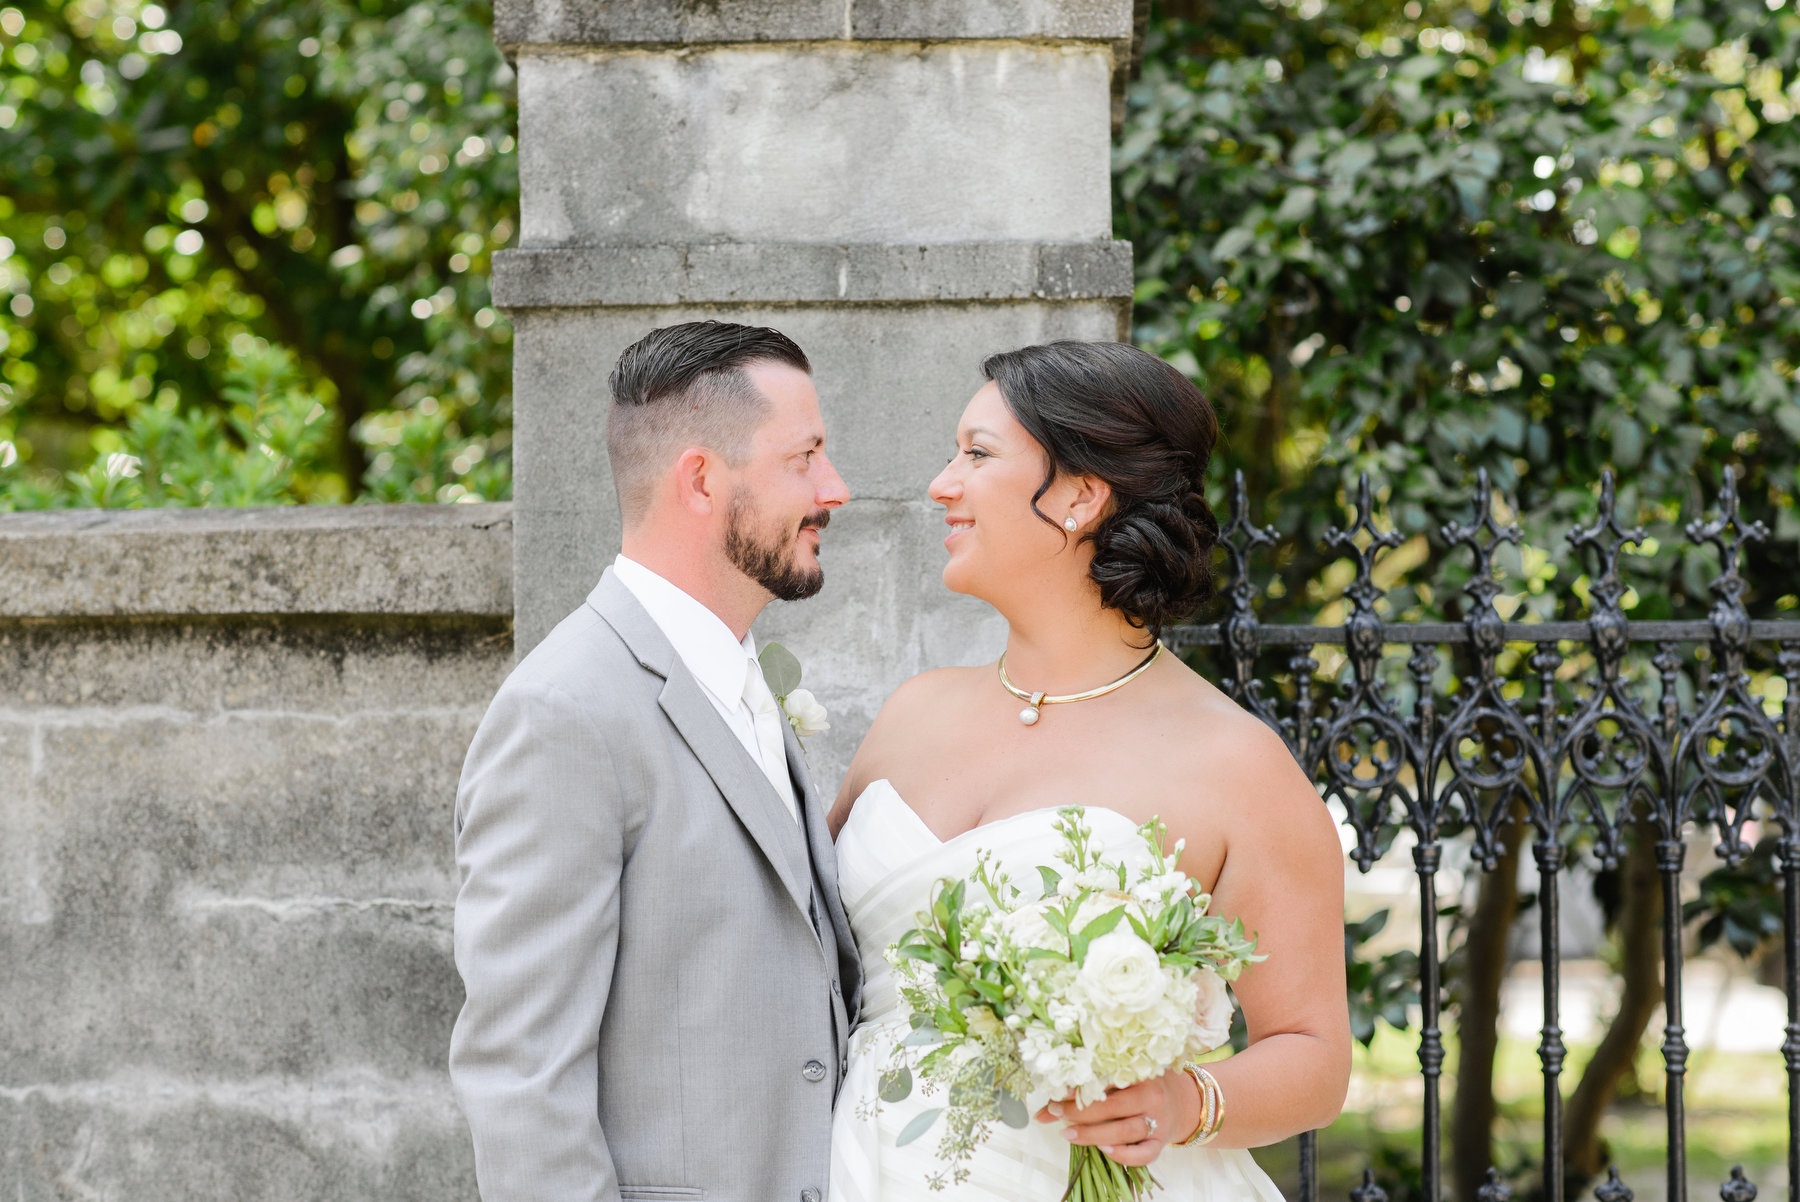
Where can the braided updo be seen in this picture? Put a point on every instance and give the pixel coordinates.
(1112, 411)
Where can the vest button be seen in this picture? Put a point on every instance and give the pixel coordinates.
(809, 1194)
(814, 1071)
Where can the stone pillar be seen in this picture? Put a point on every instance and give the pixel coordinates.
(902, 186)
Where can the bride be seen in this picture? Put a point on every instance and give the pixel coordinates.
(1075, 510)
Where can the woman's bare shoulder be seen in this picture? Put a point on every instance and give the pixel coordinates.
(909, 716)
(922, 699)
(1239, 755)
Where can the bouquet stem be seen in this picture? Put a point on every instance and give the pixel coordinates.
(1096, 1177)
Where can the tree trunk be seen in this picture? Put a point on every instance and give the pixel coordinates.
(1640, 993)
(1478, 1019)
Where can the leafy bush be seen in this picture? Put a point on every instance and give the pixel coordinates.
(1541, 238)
(181, 182)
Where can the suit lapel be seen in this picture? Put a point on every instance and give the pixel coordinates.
(824, 859)
(745, 789)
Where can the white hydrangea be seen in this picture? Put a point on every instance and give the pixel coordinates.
(1056, 1066)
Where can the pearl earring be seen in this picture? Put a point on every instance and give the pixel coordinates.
(1070, 524)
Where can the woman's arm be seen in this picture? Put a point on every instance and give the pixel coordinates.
(1283, 875)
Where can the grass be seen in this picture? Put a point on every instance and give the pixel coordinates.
(1736, 1114)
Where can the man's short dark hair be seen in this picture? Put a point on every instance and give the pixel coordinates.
(682, 386)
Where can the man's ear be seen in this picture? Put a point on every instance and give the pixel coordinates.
(697, 480)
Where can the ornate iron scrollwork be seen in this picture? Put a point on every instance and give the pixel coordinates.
(1595, 732)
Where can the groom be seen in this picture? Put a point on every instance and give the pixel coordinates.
(660, 979)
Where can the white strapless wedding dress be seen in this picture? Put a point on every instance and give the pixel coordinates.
(888, 861)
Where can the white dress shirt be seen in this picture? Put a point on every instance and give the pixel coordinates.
(717, 660)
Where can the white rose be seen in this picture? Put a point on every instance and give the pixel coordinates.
(1026, 927)
(1121, 973)
(1212, 1009)
(805, 713)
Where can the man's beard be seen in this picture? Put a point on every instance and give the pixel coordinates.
(771, 563)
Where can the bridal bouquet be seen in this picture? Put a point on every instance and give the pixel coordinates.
(1108, 978)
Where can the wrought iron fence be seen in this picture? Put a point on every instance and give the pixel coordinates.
(1579, 764)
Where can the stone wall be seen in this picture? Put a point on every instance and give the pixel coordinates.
(229, 745)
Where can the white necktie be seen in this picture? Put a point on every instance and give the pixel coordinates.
(767, 719)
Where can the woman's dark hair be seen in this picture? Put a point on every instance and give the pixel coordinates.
(1112, 411)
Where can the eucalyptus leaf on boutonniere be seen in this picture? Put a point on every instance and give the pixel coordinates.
(782, 672)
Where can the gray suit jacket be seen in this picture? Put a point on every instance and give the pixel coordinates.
(653, 1011)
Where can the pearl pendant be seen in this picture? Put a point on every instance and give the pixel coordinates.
(1029, 715)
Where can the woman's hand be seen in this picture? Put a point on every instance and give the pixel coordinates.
(1133, 1125)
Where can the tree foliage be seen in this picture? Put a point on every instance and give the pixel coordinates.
(1541, 238)
(185, 186)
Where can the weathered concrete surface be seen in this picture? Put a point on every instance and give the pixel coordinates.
(625, 22)
(741, 273)
(824, 142)
(367, 559)
(226, 870)
(892, 381)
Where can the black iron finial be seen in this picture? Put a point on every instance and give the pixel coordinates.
(1612, 1189)
(1729, 533)
(1738, 1187)
(1368, 1191)
(1363, 591)
(1239, 537)
(1483, 537)
(1607, 537)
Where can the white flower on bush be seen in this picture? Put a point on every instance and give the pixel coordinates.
(120, 466)
(804, 713)
(1120, 973)
(1212, 1010)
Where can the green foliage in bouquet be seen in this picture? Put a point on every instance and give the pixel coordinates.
(1001, 992)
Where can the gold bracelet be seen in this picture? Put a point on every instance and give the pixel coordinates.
(1210, 1101)
(1218, 1117)
(1212, 1107)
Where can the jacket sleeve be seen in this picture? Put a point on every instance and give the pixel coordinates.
(540, 848)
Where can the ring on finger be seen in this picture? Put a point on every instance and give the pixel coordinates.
(1150, 1127)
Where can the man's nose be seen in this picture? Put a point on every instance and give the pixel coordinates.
(832, 490)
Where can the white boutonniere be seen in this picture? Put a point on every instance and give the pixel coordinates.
(782, 672)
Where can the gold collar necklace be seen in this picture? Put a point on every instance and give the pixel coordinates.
(1036, 701)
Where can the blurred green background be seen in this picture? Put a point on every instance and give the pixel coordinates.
(245, 253)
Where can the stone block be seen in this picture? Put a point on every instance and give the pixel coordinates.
(146, 1136)
(892, 381)
(742, 273)
(207, 667)
(827, 142)
(378, 559)
(599, 22)
(239, 896)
